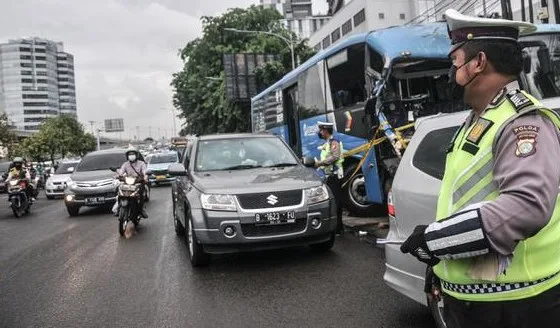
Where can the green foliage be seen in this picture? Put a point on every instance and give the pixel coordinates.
(7, 138)
(202, 101)
(61, 135)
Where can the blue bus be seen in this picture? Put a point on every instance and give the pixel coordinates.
(369, 85)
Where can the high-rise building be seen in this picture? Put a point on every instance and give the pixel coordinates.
(298, 16)
(36, 81)
(275, 4)
(360, 16)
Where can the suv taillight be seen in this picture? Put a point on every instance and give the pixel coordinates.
(390, 206)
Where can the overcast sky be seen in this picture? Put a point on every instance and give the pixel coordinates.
(125, 50)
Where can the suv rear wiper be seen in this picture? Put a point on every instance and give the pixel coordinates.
(241, 167)
(282, 165)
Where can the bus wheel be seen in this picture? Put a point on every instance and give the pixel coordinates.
(355, 198)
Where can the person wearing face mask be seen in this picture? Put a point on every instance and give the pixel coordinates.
(18, 171)
(495, 245)
(331, 163)
(136, 168)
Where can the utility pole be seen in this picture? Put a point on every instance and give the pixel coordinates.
(137, 132)
(92, 129)
(506, 9)
(150, 131)
(523, 16)
(484, 8)
(531, 16)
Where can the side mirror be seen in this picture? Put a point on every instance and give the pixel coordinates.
(371, 119)
(176, 170)
(112, 168)
(308, 162)
(70, 169)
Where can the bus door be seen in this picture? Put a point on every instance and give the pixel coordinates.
(292, 118)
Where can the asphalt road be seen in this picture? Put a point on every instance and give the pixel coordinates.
(57, 271)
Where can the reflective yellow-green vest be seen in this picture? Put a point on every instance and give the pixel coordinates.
(468, 180)
(336, 167)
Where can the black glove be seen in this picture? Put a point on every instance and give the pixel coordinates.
(416, 246)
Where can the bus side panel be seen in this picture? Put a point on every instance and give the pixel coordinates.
(310, 142)
(281, 131)
(372, 181)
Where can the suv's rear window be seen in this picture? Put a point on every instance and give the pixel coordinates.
(430, 155)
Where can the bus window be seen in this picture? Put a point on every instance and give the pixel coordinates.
(311, 95)
(346, 76)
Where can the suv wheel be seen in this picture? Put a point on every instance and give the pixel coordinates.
(73, 210)
(324, 246)
(179, 229)
(196, 252)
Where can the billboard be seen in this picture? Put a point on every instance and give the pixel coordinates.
(114, 125)
(241, 82)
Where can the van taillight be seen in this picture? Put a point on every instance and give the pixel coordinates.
(390, 206)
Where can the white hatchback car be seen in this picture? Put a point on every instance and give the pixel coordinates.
(54, 187)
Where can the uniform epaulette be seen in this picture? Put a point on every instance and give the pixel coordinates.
(519, 100)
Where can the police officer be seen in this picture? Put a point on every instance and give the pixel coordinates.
(495, 245)
(331, 162)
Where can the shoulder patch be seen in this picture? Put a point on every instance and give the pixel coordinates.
(480, 128)
(519, 100)
(526, 140)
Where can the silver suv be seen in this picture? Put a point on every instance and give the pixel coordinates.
(92, 183)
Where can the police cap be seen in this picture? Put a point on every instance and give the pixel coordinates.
(463, 28)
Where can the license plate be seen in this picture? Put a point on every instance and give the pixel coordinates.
(275, 217)
(160, 177)
(94, 200)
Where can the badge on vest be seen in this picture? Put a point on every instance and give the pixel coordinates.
(526, 140)
(480, 128)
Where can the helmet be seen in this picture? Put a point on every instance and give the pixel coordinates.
(131, 150)
(17, 160)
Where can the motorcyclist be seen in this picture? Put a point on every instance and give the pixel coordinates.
(18, 171)
(135, 167)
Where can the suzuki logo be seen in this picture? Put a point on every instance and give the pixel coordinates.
(272, 199)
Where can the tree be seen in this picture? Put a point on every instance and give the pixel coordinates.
(61, 135)
(199, 88)
(8, 139)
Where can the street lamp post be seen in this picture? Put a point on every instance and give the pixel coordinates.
(288, 41)
(172, 114)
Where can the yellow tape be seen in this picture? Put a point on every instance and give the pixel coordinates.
(367, 147)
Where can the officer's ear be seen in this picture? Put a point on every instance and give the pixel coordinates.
(481, 61)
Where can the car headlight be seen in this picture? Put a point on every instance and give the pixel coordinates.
(317, 194)
(218, 202)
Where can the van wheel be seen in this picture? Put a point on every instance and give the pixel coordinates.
(436, 308)
(354, 197)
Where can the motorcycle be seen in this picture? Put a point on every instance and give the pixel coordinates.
(128, 198)
(17, 197)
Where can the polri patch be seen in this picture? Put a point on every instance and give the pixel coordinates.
(479, 129)
(526, 146)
